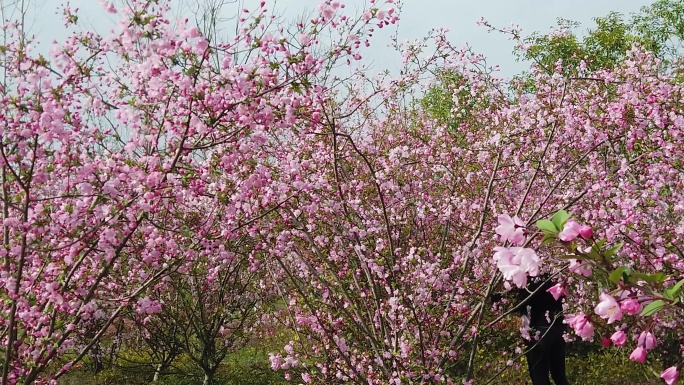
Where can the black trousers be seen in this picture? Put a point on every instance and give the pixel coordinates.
(547, 355)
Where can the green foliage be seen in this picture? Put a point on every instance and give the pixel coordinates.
(619, 274)
(450, 100)
(547, 226)
(247, 366)
(559, 219)
(611, 367)
(587, 363)
(250, 366)
(652, 308)
(607, 44)
(659, 28)
(547, 50)
(438, 101)
(599, 367)
(674, 291)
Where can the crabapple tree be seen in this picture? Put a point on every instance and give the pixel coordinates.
(111, 147)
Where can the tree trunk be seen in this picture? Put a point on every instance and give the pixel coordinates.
(208, 378)
(209, 373)
(157, 372)
(162, 368)
(98, 366)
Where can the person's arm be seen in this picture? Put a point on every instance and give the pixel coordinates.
(524, 298)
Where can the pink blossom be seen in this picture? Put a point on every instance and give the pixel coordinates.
(148, 306)
(630, 306)
(619, 338)
(647, 340)
(580, 268)
(557, 291)
(276, 361)
(529, 260)
(608, 308)
(326, 11)
(502, 253)
(581, 325)
(638, 355)
(511, 229)
(570, 231)
(585, 231)
(367, 16)
(516, 263)
(670, 375)
(193, 33)
(108, 5)
(605, 342)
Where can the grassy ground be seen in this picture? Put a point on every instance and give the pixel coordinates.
(595, 369)
(250, 367)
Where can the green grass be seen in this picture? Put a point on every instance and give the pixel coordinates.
(249, 366)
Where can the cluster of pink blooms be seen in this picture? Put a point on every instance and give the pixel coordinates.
(515, 263)
(646, 342)
(572, 229)
(581, 324)
(609, 309)
(148, 306)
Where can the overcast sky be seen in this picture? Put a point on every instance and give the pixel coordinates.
(417, 18)
(461, 16)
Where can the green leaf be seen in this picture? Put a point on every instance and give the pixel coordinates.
(610, 252)
(651, 278)
(559, 219)
(618, 274)
(652, 308)
(599, 244)
(593, 254)
(673, 291)
(548, 238)
(546, 226)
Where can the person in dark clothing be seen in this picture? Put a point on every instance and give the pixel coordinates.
(546, 347)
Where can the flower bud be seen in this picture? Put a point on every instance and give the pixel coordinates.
(585, 231)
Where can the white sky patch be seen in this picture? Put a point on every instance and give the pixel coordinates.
(417, 18)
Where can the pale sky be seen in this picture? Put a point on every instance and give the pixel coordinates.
(461, 16)
(417, 18)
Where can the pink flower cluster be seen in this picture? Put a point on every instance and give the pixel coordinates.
(581, 324)
(572, 229)
(608, 308)
(515, 263)
(511, 229)
(646, 342)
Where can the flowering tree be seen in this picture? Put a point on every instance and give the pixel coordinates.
(210, 306)
(113, 145)
(630, 185)
(157, 149)
(627, 290)
(386, 248)
(380, 245)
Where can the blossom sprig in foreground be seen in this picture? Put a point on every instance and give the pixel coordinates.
(515, 263)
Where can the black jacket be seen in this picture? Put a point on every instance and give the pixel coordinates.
(540, 302)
